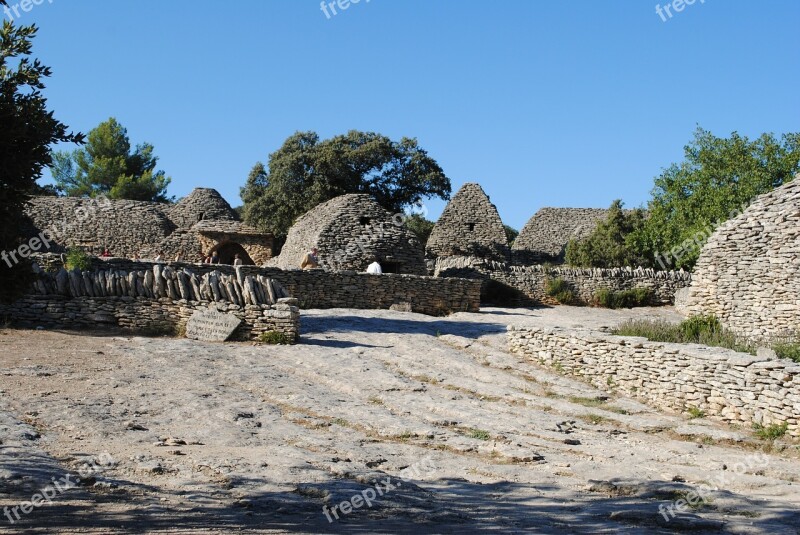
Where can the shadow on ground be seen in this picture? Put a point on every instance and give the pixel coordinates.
(440, 506)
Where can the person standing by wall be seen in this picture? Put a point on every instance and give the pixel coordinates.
(310, 259)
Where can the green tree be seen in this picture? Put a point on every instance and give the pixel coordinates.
(305, 172)
(420, 226)
(511, 234)
(717, 177)
(28, 129)
(107, 166)
(610, 243)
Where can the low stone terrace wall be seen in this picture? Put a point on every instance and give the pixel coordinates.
(315, 288)
(147, 315)
(737, 388)
(526, 285)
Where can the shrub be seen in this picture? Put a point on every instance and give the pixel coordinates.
(696, 327)
(560, 290)
(788, 350)
(705, 330)
(635, 297)
(607, 246)
(770, 432)
(274, 338)
(695, 412)
(77, 259)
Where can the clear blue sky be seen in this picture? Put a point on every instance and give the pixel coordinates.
(544, 103)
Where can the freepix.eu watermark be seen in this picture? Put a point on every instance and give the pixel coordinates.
(58, 487)
(44, 240)
(331, 9)
(666, 12)
(701, 494)
(372, 232)
(666, 259)
(16, 11)
(368, 496)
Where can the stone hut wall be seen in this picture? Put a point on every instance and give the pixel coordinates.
(349, 231)
(469, 226)
(129, 228)
(202, 204)
(526, 285)
(748, 273)
(122, 226)
(545, 236)
(732, 387)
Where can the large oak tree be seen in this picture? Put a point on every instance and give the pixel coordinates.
(27, 129)
(305, 172)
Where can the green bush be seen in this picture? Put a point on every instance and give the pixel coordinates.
(770, 432)
(560, 290)
(636, 297)
(77, 259)
(697, 327)
(607, 246)
(788, 350)
(705, 330)
(274, 338)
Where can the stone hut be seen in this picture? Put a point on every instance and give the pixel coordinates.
(469, 226)
(545, 236)
(349, 231)
(748, 273)
(201, 222)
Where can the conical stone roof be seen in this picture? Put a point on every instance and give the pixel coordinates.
(469, 226)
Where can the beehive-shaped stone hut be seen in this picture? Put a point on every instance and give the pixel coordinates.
(202, 222)
(125, 227)
(748, 273)
(545, 236)
(349, 231)
(469, 226)
(202, 204)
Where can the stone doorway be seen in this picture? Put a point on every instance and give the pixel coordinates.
(227, 252)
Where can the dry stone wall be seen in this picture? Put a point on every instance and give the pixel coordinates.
(152, 297)
(149, 316)
(313, 288)
(733, 387)
(349, 231)
(526, 285)
(748, 273)
(469, 226)
(545, 236)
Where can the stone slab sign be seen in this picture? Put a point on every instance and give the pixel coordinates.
(211, 326)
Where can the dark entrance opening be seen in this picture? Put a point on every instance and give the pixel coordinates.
(227, 252)
(390, 267)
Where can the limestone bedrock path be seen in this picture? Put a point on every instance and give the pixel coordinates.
(432, 416)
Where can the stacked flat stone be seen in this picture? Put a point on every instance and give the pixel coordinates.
(148, 315)
(202, 204)
(529, 283)
(314, 288)
(349, 231)
(469, 226)
(748, 273)
(545, 236)
(156, 281)
(128, 228)
(737, 388)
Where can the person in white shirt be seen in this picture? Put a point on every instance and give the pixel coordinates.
(237, 260)
(374, 267)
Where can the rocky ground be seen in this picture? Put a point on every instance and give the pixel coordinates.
(429, 420)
